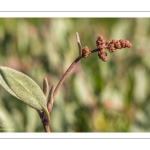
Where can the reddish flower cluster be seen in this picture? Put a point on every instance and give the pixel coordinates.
(100, 43)
(85, 51)
(102, 55)
(111, 46)
(102, 46)
(117, 44)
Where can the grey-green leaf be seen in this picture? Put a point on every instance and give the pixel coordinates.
(23, 88)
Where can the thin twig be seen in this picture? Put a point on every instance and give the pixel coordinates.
(65, 75)
(69, 70)
(45, 121)
(54, 90)
(93, 51)
(46, 127)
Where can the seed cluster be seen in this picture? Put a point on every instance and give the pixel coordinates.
(100, 43)
(85, 51)
(118, 44)
(102, 46)
(110, 45)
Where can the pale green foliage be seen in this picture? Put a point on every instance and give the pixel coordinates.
(23, 88)
(81, 105)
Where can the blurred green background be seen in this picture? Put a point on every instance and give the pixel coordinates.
(111, 96)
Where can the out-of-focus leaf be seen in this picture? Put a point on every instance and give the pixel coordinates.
(23, 88)
(5, 86)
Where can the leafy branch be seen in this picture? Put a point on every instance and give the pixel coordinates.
(27, 90)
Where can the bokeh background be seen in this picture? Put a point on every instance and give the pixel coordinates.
(111, 96)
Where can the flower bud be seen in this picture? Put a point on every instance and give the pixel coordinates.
(85, 51)
(128, 44)
(99, 38)
(118, 45)
(102, 55)
(107, 43)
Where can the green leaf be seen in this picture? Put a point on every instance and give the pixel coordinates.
(23, 88)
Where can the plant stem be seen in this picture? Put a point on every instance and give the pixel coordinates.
(53, 93)
(65, 75)
(93, 51)
(69, 70)
(55, 90)
(45, 121)
(46, 128)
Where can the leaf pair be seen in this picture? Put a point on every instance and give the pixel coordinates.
(23, 88)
